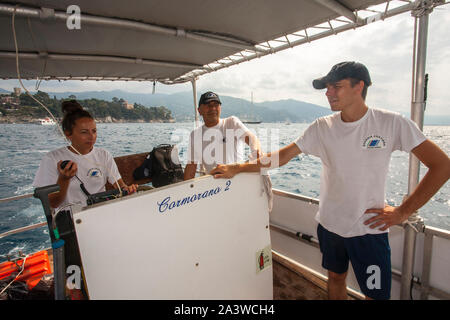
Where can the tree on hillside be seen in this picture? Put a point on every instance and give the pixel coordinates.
(98, 108)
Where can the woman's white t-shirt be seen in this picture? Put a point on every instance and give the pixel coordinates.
(94, 169)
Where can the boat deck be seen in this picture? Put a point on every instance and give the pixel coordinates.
(288, 285)
(289, 281)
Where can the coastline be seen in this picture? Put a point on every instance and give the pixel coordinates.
(33, 120)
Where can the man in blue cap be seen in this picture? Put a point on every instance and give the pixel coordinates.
(217, 141)
(355, 146)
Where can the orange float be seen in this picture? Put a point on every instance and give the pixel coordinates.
(36, 266)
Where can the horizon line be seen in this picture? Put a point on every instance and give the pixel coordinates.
(168, 94)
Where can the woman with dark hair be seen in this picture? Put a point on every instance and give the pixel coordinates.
(88, 167)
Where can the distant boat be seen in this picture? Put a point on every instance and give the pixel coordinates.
(46, 122)
(251, 122)
(247, 121)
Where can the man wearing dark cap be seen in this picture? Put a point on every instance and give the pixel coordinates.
(355, 146)
(218, 141)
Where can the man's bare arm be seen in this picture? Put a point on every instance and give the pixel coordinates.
(271, 161)
(438, 164)
(189, 171)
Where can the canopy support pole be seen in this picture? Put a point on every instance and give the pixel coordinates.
(194, 91)
(421, 13)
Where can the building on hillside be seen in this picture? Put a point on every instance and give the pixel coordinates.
(127, 105)
(9, 101)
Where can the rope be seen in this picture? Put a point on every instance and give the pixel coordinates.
(415, 221)
(18, 73)
(55, 213)
(23, 268)
(424, 7)
(267, 188)
(42, 105)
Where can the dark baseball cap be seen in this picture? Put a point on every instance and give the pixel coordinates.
(207, 97)
(344, 70)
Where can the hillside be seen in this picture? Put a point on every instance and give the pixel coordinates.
(181, 106)
(24, 109)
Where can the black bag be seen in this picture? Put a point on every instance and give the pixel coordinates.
(144, 170)
(160, 167)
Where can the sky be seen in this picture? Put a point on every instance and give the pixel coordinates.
(385, 47)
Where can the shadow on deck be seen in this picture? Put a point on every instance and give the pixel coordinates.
(291, 282)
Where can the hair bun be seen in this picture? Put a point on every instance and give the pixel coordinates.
(72, 111)
(70, 106)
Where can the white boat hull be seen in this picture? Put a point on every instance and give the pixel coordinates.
(297, 213)
(206, 249)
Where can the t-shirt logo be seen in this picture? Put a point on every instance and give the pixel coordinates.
(374, 142)
(95, 172)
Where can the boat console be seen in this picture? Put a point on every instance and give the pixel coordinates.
(203, 238)
(105, 196)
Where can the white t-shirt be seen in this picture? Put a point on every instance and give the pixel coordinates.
(222, 144)
(355, 159)
(94, 169)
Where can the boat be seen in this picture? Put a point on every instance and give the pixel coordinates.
(46, 122)
(248, 120)
(251, 122)
(173, 250)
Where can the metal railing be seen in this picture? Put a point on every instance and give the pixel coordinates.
(422, 283)
(21, 229)
(22, 196)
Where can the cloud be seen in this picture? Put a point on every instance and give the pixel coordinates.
(385, 47)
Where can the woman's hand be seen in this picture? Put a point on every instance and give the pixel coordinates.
(63, 181)
(131, 188)
(69, 171)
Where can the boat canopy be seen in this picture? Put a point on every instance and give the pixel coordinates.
(170, 41)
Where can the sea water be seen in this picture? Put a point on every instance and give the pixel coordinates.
(23, 145)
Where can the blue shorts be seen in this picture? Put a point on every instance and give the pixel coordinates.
(369, 254)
